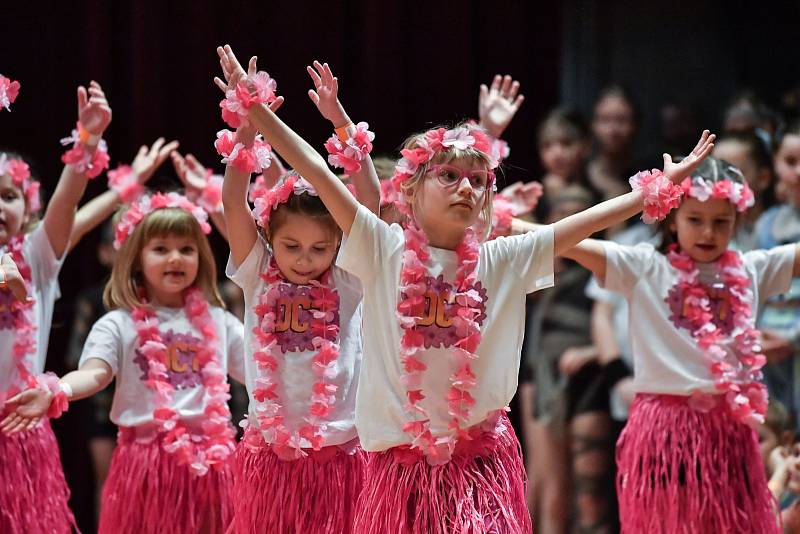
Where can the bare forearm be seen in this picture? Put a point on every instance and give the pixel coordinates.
(60, 214)
(575, 228)
(368, 187)
(91, 214)
(239, 224)
(89, 380)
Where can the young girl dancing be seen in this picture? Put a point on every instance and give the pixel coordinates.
(169, 344)
(299, 467)
(34, 494)
(688, 458)
(445, 320)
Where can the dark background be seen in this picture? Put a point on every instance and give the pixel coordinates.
(402, 66)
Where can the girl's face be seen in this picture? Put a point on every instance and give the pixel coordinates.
(169, 266)
(738, 155)
(12, 209)
(450, 198)
(704, 229)
(793, 484)
(563, 156)
(787, 167)
(613, 124)
(303, 247)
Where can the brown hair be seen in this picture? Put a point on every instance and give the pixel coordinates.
(306, 205)
(711, 170)
(124, 287)
(410, 186)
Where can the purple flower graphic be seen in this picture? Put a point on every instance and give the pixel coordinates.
(182, 370)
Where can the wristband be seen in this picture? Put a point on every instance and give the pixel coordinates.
(125, 182)
(343, 132)
(59, 403)
(660, 195)
(92, 164)
(348, 153)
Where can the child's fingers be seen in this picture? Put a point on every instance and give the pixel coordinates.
(312, 94)
(251, 66)
(276, 104)
(194, 164)
(496, 82)
(483, 92)
(167, 149)
(506, 85)
(157, 144)
(518, 102)
(32, 423)
(9, 422)
(219, 83)
(19, 290)
(514, 90)
(667, 159)
(335, 86)
(314, 76)
(82, 98)
(328, 73)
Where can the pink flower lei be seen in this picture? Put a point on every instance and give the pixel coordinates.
(348, 154)
(467, 301)
(438, 449)
(8, 92)
(20, 174)
(79, 157)
(148, 204)
(289, 443)
(210, 448)
(737, 378)
(25, 343)
(738, 194)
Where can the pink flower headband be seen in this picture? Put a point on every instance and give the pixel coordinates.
(20, 174)
(8, 92)
(147, 204)
(440, 140)
(266, 200)
(739, 194)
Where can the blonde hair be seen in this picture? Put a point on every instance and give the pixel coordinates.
(410, 187)
(123, 289)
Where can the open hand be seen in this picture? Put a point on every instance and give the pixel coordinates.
(325, 94)
(678, 171)
(13, 278)
(233, 73)
(27, 409)
(149, 159)
(94, 113)
(191, 172)
(498, 105)
(524, 196)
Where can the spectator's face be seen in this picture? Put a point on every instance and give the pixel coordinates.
(613, 124)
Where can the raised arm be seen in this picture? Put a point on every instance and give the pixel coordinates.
(101, 207)
(294, 149)
(201, 188)
(94, 115)
(575, 228)
(498, 104)
(326, 98)
(28, 407)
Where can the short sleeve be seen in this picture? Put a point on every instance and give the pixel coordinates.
(247, 274)
(235, 353)
(105, 341)
(625, 265)
(370, 242)
(595, 292)
(41, 255)
(529, 255)
(773, 269)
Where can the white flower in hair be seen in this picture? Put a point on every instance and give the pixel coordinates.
(459, 138)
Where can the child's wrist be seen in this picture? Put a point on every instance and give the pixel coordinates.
(52, 386)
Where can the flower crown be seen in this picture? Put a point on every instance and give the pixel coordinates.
(739, 194)
(20, 174)
(440, 140)
(8, 92)
(147, 204)
(266, 200)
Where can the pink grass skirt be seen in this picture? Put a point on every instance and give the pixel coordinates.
(314, 495)
(148, 492)
(33, 492)
(681, 470)
(481, 490)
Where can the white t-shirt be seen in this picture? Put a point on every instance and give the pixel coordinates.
(508, 269)
(296, 372)
(666, 357)
(45, 266)
(114, 340)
